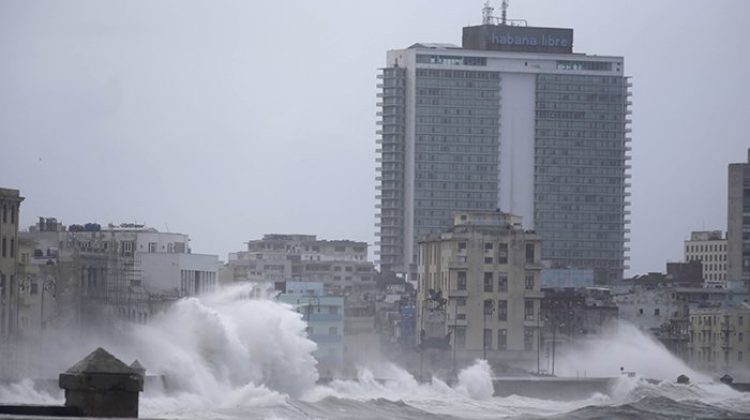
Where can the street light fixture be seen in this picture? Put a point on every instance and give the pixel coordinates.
(487, 310)
(24, 284)
(49, 284)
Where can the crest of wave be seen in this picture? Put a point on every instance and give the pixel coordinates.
(476, 381)
(394, 383)
(224, 347)
(623, 346)
(628, 390)
(471, 397)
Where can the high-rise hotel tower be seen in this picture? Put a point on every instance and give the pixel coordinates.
(512, 120)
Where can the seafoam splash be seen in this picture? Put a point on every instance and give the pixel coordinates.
(228, 356)
(24, 392)
(226, 350)
(476, 381)
(624, 346)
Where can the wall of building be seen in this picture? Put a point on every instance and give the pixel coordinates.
(647, 308)
(738, 241)
(10, 205)
(561, 148)
(710, 248)
(179, 275)
(516, 153)
(490, 283)
(341, 266)
(720, 339)
(325, 319)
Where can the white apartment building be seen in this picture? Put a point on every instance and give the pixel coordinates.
(341, 265)
(92, 274)
(710, 248)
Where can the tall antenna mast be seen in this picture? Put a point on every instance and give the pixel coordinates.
(504, 16)
(487, 13)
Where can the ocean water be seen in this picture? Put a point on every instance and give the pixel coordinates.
(227, 356)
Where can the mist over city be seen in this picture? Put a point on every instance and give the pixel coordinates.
(412, 210)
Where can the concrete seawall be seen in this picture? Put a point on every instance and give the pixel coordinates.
(560, 389)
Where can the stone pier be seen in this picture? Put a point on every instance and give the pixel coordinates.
(101, 385)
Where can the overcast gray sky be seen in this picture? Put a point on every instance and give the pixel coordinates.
(229, 119)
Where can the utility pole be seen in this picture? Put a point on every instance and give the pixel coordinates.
(725, 331)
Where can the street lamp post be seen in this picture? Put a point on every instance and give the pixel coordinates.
(539, 341)
(453, 361)
(48, 284)
(554, 341)
(487, 310)
(24, 284)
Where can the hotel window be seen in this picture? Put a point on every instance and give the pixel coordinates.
(502, 253)
(502, 310)
(488, 281)
(528, 310)
(502, 283)
(489, 308)
(461, 280)
(529, 282)
(529, 253)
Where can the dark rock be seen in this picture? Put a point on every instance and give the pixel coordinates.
(683, 379)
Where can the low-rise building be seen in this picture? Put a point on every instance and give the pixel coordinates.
(324, 315)
(92, 276)
(10, 206)
(478, 290)
(571, 314)
(720, 338)
(567, 277)
(341, 265)
(10, 285)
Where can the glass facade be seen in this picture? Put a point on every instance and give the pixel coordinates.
(390, 180)
(456, 145)
(580, 170)
(441, 135)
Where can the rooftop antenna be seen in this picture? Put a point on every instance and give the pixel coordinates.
(504, 15)
(487, 13)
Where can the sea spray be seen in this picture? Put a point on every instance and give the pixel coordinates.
(623, 346)
(227, 356)
(24, 391)
(476, 380)
(218, 343)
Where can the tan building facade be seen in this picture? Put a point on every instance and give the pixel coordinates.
(485, 273)
(10, 205)
(720, 338)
